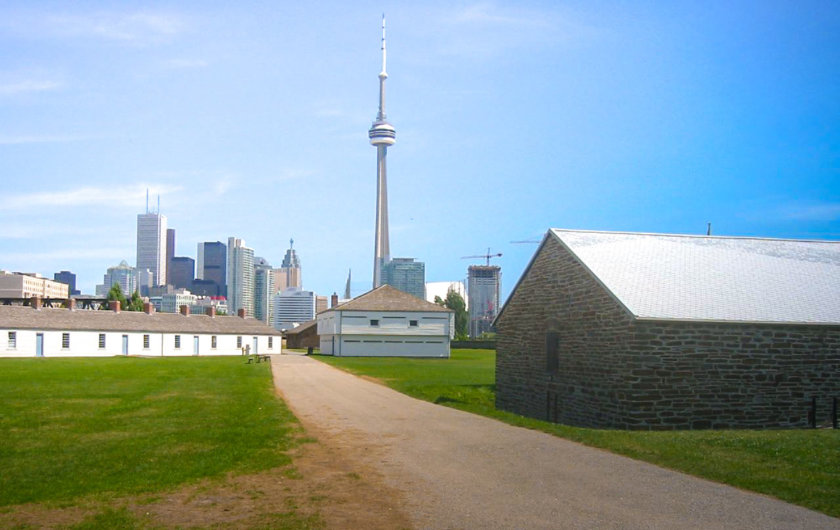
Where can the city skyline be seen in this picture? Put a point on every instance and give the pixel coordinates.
(250, 120)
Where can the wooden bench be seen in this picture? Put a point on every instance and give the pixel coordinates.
(258, 358)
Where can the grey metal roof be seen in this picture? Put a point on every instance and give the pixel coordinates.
(740, 279)
(47, 318)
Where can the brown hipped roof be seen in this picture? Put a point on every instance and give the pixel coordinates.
(301, 328)
(387, 298)
(48, 318)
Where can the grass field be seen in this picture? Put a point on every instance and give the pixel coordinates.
(73, 428)
(799, 466)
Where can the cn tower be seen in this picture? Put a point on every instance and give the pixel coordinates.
(381, 134)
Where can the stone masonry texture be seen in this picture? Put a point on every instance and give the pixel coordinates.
(616, 371)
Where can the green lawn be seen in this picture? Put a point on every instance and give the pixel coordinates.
(799, 466)
(71, 428)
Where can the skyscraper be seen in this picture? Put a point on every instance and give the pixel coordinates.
(240, 276)
(483, 282)
(211, 266)
(263, 290)
(407, 275)
(151, 245)
(289, 273)
(293, 306)
(69, 278)
(170, 254)
(123, 275)
(181, 272)
(381, 134)
(347, 286)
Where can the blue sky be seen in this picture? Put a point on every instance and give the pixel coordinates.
(251, 119)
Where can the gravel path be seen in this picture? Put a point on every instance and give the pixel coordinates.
(451, 469)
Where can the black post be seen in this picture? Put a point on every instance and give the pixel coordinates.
(812, 414)
(834, 412)
(547, 405)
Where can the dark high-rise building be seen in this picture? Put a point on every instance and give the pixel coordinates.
(69, 278)
(407, 275)
(181, 272)
(212, 267)
(483, 283)
(170, 253)
(205, 288)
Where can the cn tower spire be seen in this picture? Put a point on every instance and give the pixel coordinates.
(381, 134)
(383, 75)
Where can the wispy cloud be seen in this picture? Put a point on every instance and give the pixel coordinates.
(485, 30)
(186, 64)
(128, 196)
(28, 86)
(39, 139)
(491, 14)
(825, 211)
(30, 231)
(79, 252)
(137, 27)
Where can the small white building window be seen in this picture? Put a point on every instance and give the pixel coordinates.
(239, 341)
(12, 340)
(101, 341)
(412, 323)
(65, 341)
(374, 323)
(177, 342)
(270, 342)
(145, 342)
(213, 341)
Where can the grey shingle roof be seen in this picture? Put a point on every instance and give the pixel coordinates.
(387, 298)
(738, 279)
(25, 317)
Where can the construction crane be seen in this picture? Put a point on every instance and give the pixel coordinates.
(485, 256)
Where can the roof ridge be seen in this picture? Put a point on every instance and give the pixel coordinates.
(695, 236)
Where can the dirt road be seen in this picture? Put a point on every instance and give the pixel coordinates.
(448, 469)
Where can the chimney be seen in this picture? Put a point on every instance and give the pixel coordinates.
(36, 302)
(241, 313)
(185, 310)
(71, 304)
(148, 308)
(211, 311)
(334, 300)
(115, 305)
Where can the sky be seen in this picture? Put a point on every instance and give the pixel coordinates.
(250, 119)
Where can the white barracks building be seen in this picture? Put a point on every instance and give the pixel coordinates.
(35, 331)
(386, 322)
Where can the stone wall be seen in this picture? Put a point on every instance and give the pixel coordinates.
(619, 372)
(473, 344)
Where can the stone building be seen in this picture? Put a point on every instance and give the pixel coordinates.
(303, 336)
(653, 331)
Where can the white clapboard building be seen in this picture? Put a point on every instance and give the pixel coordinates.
(386, 322)
(35, 331)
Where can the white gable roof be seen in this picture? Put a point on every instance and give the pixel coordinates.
(738, 279)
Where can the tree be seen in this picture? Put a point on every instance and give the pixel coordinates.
(135, 303)
(116, 294)
(455, 302)
(439, 301)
